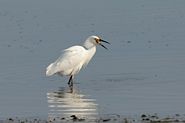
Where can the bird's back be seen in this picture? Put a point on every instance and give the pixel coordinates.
(70, 62)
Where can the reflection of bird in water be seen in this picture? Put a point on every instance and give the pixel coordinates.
(74, 58)
(63, 103)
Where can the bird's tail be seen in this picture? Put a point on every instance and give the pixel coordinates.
(50, 70)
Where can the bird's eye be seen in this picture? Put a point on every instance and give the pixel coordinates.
(97, 40)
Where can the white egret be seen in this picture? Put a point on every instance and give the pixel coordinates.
(74, 58)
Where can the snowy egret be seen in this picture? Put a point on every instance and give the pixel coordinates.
(74, 58)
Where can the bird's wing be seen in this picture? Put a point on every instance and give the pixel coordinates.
(70, 58)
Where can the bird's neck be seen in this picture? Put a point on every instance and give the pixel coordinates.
(90, 54)
(91, 50)
(88, 45)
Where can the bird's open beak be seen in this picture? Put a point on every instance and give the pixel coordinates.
(102, 44)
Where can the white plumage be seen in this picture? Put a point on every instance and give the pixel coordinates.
(74, 58)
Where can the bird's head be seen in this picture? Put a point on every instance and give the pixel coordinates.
(97, 41)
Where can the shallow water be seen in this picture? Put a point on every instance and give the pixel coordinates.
(142, 72)
(67, 102)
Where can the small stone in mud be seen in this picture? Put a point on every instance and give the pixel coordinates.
(147, 119)
(143, 115)
(74, 117)
(10, 119)
(106, 120)
(63, 118)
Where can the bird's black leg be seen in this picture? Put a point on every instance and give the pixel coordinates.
(69, 82)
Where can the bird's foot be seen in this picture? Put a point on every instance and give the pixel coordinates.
(71, 87)
(70, 84)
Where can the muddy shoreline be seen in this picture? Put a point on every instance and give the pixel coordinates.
(144, 118)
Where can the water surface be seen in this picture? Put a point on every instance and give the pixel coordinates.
(142, 72)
